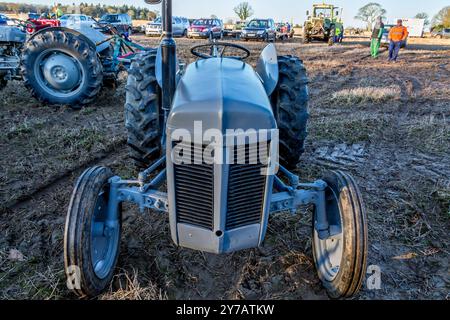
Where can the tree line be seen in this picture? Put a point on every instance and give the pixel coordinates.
(94, 10)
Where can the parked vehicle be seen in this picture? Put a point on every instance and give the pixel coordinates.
(12, 40)
(122, 22)
(233, 30)
(284, 31)
(219, 205)
(69, 20)
(322, 24)
(56, 71)
(385, 37)
(41, 23)
(33, 15)
(3, 20)
(180, 27)
(444, 33)
(260, 29)
(206, 28)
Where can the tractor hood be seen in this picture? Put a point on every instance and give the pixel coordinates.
(223, 94)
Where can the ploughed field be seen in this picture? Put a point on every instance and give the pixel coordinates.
(386, 124)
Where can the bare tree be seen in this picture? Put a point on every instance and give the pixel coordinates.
(244, 11)
(424, 16)
(442, 18)
(369, 14)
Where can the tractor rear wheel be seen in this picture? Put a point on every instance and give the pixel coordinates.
(142, 110)
(62, 68)
(290, 106)
(3, 83)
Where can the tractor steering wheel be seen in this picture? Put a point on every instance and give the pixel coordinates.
(216, 53)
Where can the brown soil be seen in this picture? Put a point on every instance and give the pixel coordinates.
(396, 146)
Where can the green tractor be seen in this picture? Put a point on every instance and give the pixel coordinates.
(323, 23)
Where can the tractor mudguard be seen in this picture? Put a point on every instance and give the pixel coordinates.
(91, 36)
(267, 68)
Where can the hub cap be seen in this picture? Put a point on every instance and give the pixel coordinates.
(59, 73)
(329, 252)
(104, 238)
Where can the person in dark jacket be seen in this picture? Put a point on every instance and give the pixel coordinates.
(377, 34)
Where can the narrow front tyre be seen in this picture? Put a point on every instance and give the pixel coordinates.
(340, 260)
(92, 234)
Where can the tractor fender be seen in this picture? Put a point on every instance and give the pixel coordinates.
(96, 35)
(267, 68)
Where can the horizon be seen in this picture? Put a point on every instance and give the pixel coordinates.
(266, 9)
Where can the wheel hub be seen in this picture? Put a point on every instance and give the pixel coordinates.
(61, 72)
(329, 252)
(104, 238)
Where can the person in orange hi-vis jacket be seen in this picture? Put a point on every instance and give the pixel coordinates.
(397, 35)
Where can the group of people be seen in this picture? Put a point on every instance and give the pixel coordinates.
(397, 36)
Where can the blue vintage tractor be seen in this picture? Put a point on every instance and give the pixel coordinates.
(64, 66)
(215, 142)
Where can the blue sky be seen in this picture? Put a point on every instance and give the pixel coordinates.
(282, 10)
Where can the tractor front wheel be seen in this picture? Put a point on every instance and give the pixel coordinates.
(142, 110)
(290, 106)
(341, 259)
(62, 68)
(92, 234)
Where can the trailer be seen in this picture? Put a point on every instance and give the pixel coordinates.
(415, 27)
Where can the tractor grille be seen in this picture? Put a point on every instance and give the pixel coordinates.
(246, 188)
(194, 192)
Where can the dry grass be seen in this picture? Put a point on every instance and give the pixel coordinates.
(130, 288)
(366, 95)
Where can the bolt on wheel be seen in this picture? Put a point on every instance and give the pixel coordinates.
(341, 259)
(92, 234)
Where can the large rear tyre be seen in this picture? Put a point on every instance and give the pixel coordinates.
(290, 106)
(91, 238)
(142, 110)
(341, 260)
(61, 68)
(3, 83)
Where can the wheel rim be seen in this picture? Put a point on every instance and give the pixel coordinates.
(59, 73)
(104, 239)
(329, 252)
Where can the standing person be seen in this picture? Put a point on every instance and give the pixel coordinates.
(57, 11)
(337, 34)
(377, 34)
(397, 36)
(341, 37)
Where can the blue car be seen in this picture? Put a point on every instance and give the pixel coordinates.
(3, 20)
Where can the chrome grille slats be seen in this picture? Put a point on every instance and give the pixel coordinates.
(246, 188)
(194, 191)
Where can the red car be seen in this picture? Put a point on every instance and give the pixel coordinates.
(206, 28)
(35, 25)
